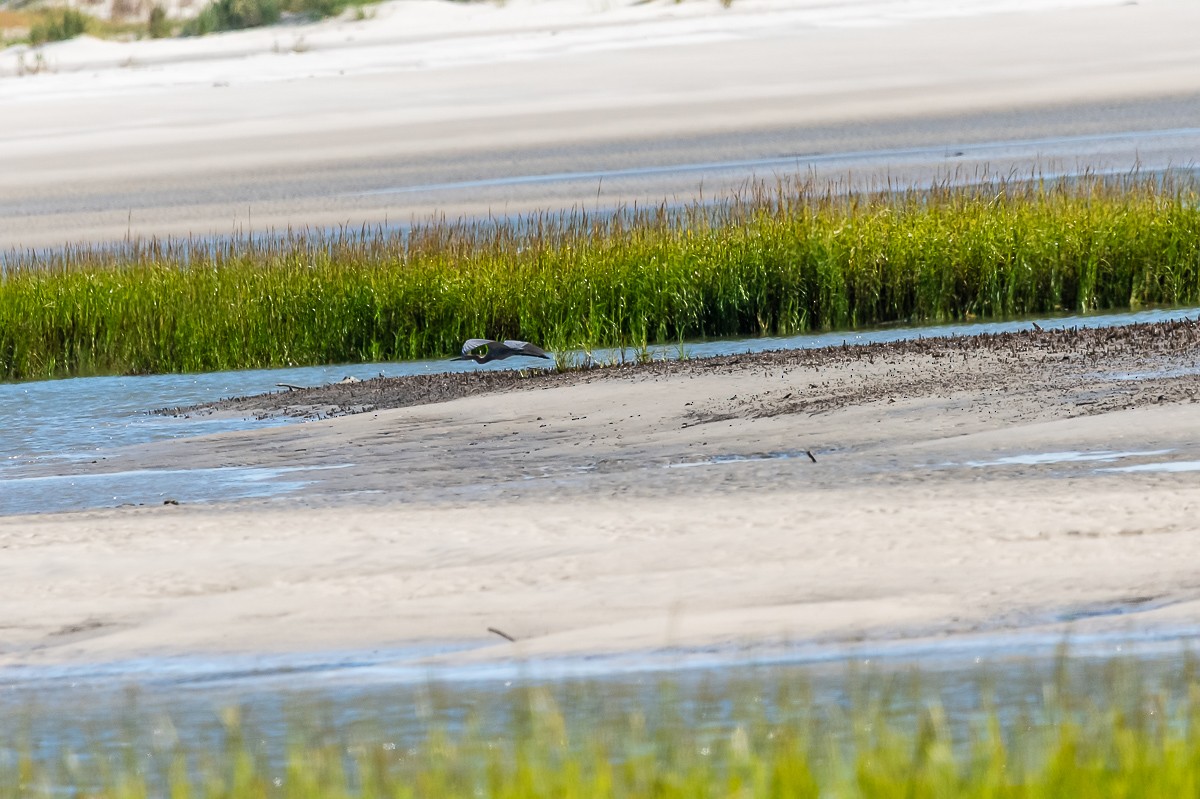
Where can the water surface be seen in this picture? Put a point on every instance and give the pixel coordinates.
(396, 696)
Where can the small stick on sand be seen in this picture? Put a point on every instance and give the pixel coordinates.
(290, 387)
(811, 457)
(501, 634)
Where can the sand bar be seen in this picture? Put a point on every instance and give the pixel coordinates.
(1037, 481)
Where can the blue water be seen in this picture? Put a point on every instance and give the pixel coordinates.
(415, 665)
(50, 426)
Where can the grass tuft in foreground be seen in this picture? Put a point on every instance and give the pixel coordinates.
(779, 261)
(1103, 730)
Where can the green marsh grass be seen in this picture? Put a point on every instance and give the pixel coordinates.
(1113, 728)
(774, 260)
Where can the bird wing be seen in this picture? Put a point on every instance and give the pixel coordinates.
(473, 344)
(525, 348)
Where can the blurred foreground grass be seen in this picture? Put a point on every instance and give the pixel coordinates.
(1113, 728)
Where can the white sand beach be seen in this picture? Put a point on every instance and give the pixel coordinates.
(431, 107)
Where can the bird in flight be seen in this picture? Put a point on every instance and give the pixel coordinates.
(483, 350)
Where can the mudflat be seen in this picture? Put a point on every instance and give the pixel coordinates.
(1043, 480)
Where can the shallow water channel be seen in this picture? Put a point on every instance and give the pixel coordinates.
(394, 698)
(51, 425)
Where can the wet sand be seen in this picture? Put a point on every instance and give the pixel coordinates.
(1019, 482)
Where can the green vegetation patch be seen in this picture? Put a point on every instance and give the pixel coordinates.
(56, 25)
(46, 24)
(1106, 729)
(224, 15)
(779, 262)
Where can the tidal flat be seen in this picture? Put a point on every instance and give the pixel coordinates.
(936, 487)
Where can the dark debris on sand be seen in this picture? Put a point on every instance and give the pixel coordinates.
(1139, 341)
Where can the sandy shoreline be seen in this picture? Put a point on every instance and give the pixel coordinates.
(1129, 343)
(409, 114)
(667, 507)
